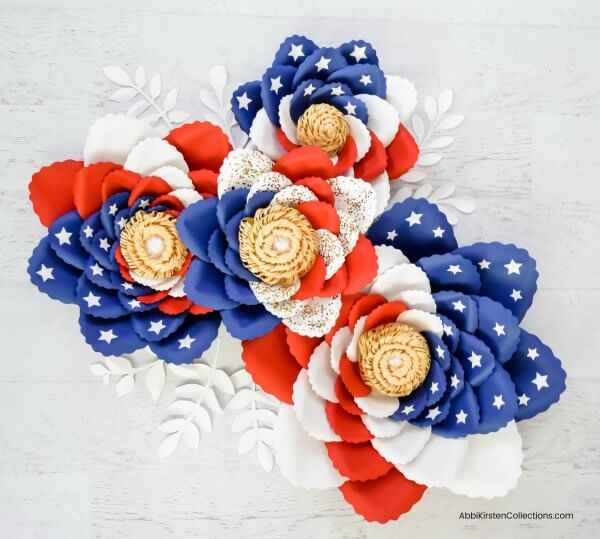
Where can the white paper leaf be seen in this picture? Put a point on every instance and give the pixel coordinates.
(209, 101)
(151, 118)
(173, 425)
(445, 101)
(450, 213)
(423, 191)
(183, 371)
(118, 365)
(211, 400)
(183, 407)
(213, 118)
(217, 76)
(413, 176)
(171, 99)
(190, 391)
(241, 378)
(247, 441)
(140, 77)
(155, 379)
(463, 203)
(428, 159)
(203, 419)
(123, 94)
(265, 456)
(430, 107)
(240, 400)
(451, 121)
(418, 126)
(98, 369)
(222, 382)
(266, 435)
(443, 191)
(137, 108)
(178, 116)
(168, 445)
(155, 86)
(106, 379)
(117, 75)
(125, 385)
(191, 436)
(244, 420)
(440, 142)
(265, 398)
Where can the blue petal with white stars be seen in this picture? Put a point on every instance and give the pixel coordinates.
(475, 358)
(276, 83)
(358, 51)
(64, 239)
(109, 210)
(245, 104)
(451, 272)
(361, 79)
(459, 308)
(497, 401)
(110, 337)
(293, 50)
(154, 326)
(97, 301)
(319, 65)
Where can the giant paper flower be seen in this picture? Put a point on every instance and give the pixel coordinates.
(337, 99)
(112, 246)
(422, 379)
(280, 243)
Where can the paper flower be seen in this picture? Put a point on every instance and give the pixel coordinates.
(337, 99)
(280, 243)
(112, 246)
(421, 380)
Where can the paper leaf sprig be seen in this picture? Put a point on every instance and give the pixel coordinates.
(148, 105)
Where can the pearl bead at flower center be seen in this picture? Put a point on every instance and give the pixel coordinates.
(282, 244)
(155, 246)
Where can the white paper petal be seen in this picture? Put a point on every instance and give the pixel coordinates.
(156, 284)
(381, 186)
(273, 293)
(492, 464)
(348, 232)
(377, 405)
(356, 198)
(264, 134)
(310, 410)
(382, 427)
(153, 153)
(320, 374)
(240, 168)
(186, 196)
(388, 257)
(269, 181)
(360, 134)
(402, 94)
(383, 118)
(302, 459)
(330, 248)
(294, 195)
(399, 278)
(416, 299)
(421, 321)
(317, 316)
(352, 348)
(403, 447)
(112, 137)
(177, 290)
(285, 309)
(285, 119)
(339, 343)
(175, 177)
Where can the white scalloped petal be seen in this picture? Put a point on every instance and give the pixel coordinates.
(320, 374)
(330, 248)
(438, 462)
(416, 299)
(403, 447)
(377, 405)
(383, 118)
(186, 196)
(492, 465)
(402, 94)
(303, 460)
(264, 134)
(273, 293)
(269, 181)
(156, 284)
(177, 290)
(241, 168)
(352, 348)
(317, 316)
(399, 278)
(285, 309)
(381, 186)
(175, 177)
(382, 427)
(285, 119)
(112, 137)
(153, 153)
(310, 410)
(388, 257)
(356, 198)
(360, 134)
(339, 342)
(421, 321)
(349, 232)
(293, 195)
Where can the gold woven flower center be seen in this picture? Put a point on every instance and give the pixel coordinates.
(394, 359)
(278, 244)
(324, 126)
(151, 246)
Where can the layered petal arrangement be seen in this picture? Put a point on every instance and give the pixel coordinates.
(112, 246)
(422, 379)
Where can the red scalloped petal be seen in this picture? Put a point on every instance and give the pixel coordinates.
(349, 427)
(319, 187)
(301, 347)
(87, 191)
(153, 297)
(119, 181)
(170, 201)
(346, 158)
(373, 163)
(124, 271)
(402, 153)
(350, 375)
(363, 307)
(202, 144)
(384, 314)
(312, 282)
(383, 499)
(320, 215)
(335, 285)
(303, 162)
(119, 257)
(342, 320)
(205, 181)
(200, 309)
(287, 144)
(361, 264)
(149, 186)
(271, 364)
(51, 190)
(357, 462)
(183, 269)
(174, 306)
(345, 398)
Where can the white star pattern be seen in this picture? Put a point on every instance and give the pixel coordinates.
(113, 209)
(499, 329)
(134, 304)
(88, 231)
(276, 84)
(309, 89)
(366, 80)
(337, 91)
(414, 219)
(516, 295)
(433, 413)
(127, 286)
(434, 388)
(186, 342)
(440, 351)
(523, 399)
(540, 381)
(96, 269)
(408, 409)
(296, 51)
(447, 329)
(121, 222)
(484, 264)
(156, 327)
(359, 53)
(532, 354)
(92, 300)
(461, 417)
(350, 108)
(144, 203)
(475, 360)
(498, 401)
(45, 273)
(454, 269)
(323, 63)
(243, 102)
(438, 232)
(459, 306)
(454, 381)
(513, 267)
(107, 336)
(391, 235)
(64, 236)
(104, 244)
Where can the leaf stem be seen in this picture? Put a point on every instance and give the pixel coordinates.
(152, 102)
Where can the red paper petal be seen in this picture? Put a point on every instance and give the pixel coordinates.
(287, 144)
(174, 306)
(304, 162)
(361, 264)
(205, 181)
(87, 191)
(373, 163)
(51, 190)
(202, 144)
(357, 462)
(320, 188)
(170, 201)
(271, 364)
(383, 499)
(335, 285)
(346, 157)
(349, 427)
(150, 186)
(200, 309)
(363, 307)
(313, 281)
(301, 347)
(384, 314)
(346, 399)
(342, 320)
(402, 153)
(320, 215)
(119, 181)
(350, 375)
(153, 297)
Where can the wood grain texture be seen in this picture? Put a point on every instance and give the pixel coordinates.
(77, 462)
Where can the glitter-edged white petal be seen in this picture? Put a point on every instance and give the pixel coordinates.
(285, 309)
(355, 198)
(421, 321)
(383, 118)
(382, 427)
(320, 374)
(293, 195)
(273, 293)
(360, 135)
(174, 176)
(340, 341)
(399, 278)
(377, 405)
(317, 316)
(153, 153)
(381, 186)
(285, 119)
(264, 134)
(349, 232)
(269, 181)
(404, 446)
(402, 94)
(330, 248)
(240, 168)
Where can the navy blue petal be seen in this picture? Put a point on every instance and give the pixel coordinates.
(438, 349)
(463, 416)
(319, 65)
(249, 322)
(127, 288)
(359, 51)
(301, 97)
(294, 50)
(204, 284)
(259, 200)
(109, 210)
(411, 406)
(346, 104)
(154, 326)
(451, 272)
(88, 230)
(98, 301)
(455, 377)
(361, 79)
(121, 220)
(64, 239)
(475, 358)
(238, 290)
(461, 309)
(99, 275)
(276, 83)
(110, 337)
(134, 305)
(234, 263)
(451, 333)
(230, 203)
(434, 383)
(196, 224)
(432, 415)
(232, 231)
(216, 251)
(497, 401)
(245, 104)
(101, 249)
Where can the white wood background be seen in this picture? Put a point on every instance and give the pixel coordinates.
(77, 462)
